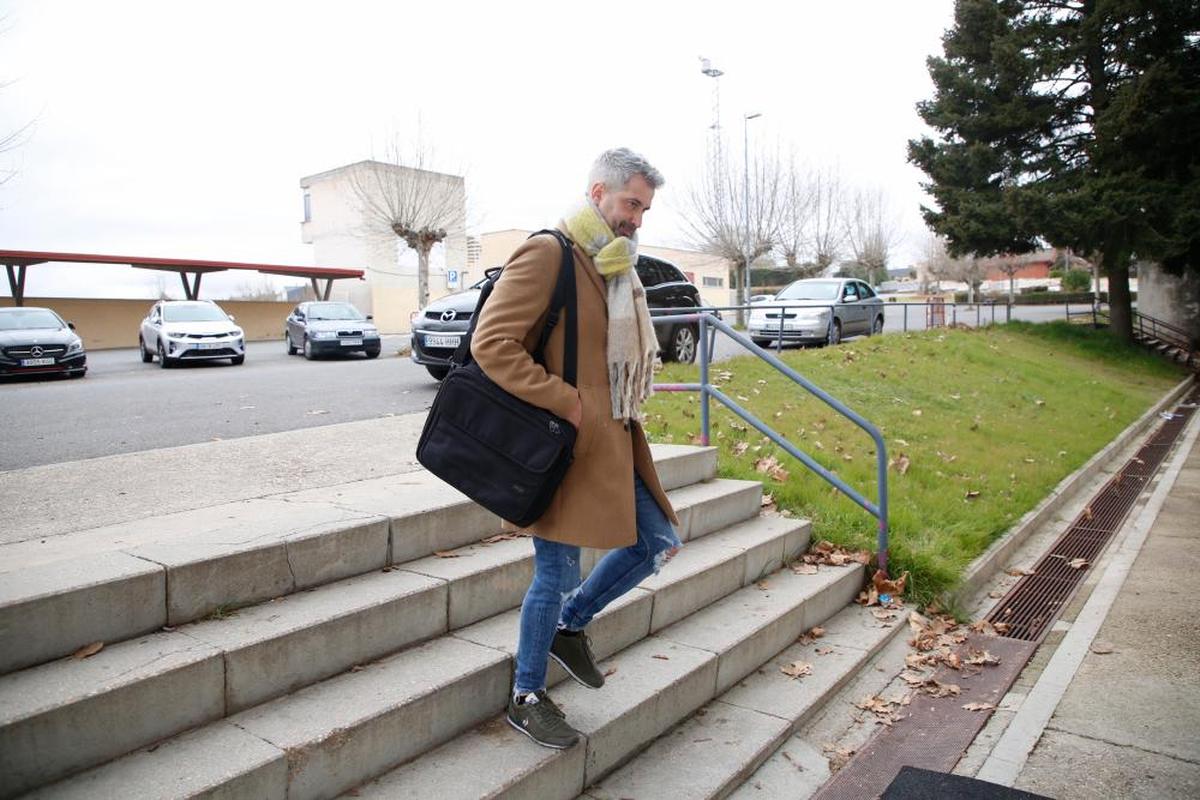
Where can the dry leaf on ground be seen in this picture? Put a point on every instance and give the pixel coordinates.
(796, 669)
(805, 569)
(88, 650)
(446, 554)
(979, 706)
(900, 463)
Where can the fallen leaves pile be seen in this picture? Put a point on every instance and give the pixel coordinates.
(936, 641)
(883, 592)
(830, 555)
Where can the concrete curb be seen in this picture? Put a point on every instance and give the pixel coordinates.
(1003, 549)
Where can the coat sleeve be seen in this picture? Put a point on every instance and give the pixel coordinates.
(515, 308)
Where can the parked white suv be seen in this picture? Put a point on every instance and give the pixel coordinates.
(190, 330)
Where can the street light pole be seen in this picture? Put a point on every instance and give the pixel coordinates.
(746, 201)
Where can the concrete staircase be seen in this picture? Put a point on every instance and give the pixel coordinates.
(358, 639)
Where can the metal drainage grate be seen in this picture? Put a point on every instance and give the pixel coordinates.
(1037, 599)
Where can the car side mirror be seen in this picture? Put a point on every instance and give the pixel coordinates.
(70, 325)
(370, 316)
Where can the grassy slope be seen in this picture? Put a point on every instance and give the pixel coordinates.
(1006, 412)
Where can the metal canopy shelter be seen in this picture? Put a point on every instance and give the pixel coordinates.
(17, 261)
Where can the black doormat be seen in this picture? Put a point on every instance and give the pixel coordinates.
(914, 783)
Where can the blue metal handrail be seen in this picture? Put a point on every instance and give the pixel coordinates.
(707, 391)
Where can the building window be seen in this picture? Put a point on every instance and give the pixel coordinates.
(713, 283)
(307, 207)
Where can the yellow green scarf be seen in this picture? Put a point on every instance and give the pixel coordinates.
(631, 344)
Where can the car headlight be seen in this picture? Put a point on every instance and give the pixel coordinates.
(758, 318)
(75, 347)
(175, 334)
(370, 330)
(324, 334)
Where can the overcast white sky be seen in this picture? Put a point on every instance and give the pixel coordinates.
(182, 129)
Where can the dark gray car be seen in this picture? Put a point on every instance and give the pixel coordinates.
(817, 310)
(438, 328)
(325, 328)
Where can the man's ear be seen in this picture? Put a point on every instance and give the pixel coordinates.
(596, 193)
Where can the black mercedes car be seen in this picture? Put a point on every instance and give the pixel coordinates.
(320, 328)
(36, 340)
(438, 328)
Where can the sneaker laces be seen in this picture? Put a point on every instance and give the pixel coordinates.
(540, 698)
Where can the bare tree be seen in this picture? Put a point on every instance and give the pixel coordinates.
(826, 233)
(795, 219)
(970, 270)
(404, 198)
(936, 263)
(871, 233)
(1010, 266)
(13, 139)
(734, 214)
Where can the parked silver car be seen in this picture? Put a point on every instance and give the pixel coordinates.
(815, 310)
(190, 330)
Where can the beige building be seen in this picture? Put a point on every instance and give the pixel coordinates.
(342, 233)
(709, 273)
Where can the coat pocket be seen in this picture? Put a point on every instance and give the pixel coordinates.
(591, 421)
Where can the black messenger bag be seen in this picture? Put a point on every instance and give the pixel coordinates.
(503, 453)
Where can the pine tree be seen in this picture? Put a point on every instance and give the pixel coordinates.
(1073, 122)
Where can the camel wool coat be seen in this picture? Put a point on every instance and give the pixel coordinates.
(594, 505)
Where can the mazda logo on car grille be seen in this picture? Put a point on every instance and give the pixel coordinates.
(448, 316)
(36, 351)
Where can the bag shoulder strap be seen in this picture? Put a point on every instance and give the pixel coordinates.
(564, 297)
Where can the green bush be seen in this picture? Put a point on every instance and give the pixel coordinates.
(1076, 280)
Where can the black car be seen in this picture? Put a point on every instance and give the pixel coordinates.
(36, 340)
(320, 328)
(438, 328)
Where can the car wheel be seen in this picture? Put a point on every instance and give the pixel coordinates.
(683, 345)
(308, 349)
(877, 328)
(835, 332)
(372, 353)
(762, 342)
(291, 348)
(147, 356)
(163, 361)
(236, 360)
(438, 373)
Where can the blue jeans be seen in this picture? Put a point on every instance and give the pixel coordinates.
(556, 597)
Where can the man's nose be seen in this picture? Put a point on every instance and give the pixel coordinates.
(637, 218)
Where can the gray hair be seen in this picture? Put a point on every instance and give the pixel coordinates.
(614, 168)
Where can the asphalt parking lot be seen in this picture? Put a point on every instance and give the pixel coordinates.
(124, 406)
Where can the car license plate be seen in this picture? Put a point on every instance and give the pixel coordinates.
(351, 342)
(206, 345)
(36, 362)
(441, 341)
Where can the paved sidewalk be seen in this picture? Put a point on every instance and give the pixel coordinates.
(1116, 711)
(50, 501)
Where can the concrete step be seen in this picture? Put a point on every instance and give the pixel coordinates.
(651, 686)
(327, 737)
(121, 581)
(61, 717)
(255, 654)
(716, 750)
(702, 572)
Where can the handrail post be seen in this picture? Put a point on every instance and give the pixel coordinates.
(704, 358)
(906, 317)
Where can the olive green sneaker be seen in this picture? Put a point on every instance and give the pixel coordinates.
(540, 719)
(573, 651)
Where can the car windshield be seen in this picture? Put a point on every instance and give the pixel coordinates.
(200, 312)
(334, 311)
(810, 290)
(15, 319)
